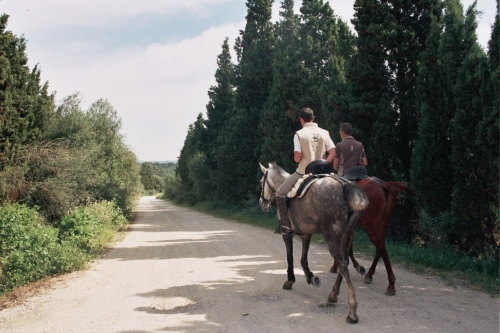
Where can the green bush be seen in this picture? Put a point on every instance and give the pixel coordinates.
(17, 223)
(27, 246)
(30, 249)
(92, 227)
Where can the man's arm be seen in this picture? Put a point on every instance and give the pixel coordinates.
(330, 155)
(297, 156)
(336, 162)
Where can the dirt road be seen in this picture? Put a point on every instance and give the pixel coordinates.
(183, 271)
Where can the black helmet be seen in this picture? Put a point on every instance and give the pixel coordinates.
(319, 167)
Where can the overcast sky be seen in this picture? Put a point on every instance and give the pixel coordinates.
(153, 60)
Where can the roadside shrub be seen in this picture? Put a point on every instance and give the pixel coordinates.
(17, 222)
(32, 260)
(109, 214)
(30, 249)
(90, 228)
(177, 192)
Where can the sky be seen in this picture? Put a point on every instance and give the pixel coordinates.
(153, 60)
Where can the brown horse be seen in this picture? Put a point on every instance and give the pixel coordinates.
(383, 198)
(330, 206)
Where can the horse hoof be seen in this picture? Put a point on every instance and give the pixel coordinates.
(288, 285)
(316, 281)
(361, 270)
(368, 279)
(333, 269)
(326, 304)
(390, 292)
(352, 320)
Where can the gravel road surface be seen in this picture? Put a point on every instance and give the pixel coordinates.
(178, 270)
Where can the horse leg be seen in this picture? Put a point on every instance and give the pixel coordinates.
(288, 238)
(334, 294)
(391, 289)
(371, 270)
(382, 253)
(352, 317)
(351, 296)
(311, 279)
(339, 251)
(360, 269)
(335, 266)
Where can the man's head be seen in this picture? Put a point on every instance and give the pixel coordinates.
(346, 128)
(306, 114)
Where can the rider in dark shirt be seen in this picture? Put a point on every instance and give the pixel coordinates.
(348, 152)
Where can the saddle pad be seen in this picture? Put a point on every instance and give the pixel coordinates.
(303, 184)
(297, 185)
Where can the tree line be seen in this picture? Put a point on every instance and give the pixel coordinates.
(57, 157)
(422, 95)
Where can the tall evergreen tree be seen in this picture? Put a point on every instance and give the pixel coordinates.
(219, 110)
(438, 105)
(241, 147)
(370, 84)
(467, 230)
(409, 31)
(430, 173)
(280, 118)
(25, 103)
(192, 146)
(487, 142)
(391, 36)
(336, 93)
(319, 54)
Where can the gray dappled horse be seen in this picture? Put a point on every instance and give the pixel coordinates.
(331, 206)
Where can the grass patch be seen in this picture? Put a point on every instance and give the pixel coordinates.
(455, 267)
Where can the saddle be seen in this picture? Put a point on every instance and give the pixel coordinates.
(358, 172)
(315, 170)
(320, 169)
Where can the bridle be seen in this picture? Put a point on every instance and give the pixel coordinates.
(264, 182)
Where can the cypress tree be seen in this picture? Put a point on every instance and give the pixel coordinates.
(392, 35)
(409, 29)
(219, 110)
(467, 231)
(487, 142)
(25, 104)
(192, 146)
(371, 110)
(318, 51)
(280, 119)
(336, 92)
(242, 143)
(430, 174)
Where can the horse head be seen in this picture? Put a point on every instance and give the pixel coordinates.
(272, 178)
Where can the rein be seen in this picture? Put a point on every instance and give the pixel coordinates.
(263, 188)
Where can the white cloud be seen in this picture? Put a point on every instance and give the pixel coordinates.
(84, 13)
(158, 87)
(158, 91)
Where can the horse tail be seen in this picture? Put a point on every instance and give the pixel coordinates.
(392, 190)
(396, 187)
(356, 197)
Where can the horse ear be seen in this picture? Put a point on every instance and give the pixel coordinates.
(262, 168)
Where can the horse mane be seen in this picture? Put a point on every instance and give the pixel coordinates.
(277, 168)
